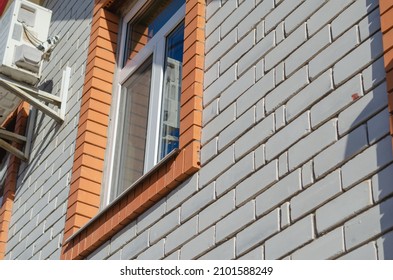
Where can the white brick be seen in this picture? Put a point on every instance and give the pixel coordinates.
(334, 52)
(366, 252)
(280, 13)
(237, 128)
(237, 89)
(280, 73)
(219, 16)
(344, 149)
(259, 69)
(369, 224)
(382, 183)
(213, 128)
(259, 154)
(290, 134)
(212, 40)
(209, 150)
(336, 101)
(198, 245)
(351, 16)
(149, 217)
(136, 246)
(290, 239)
(283, 167)
(258, 232)
(286, 90)
(239, 14)
(308, 174)
(368, 162)
(256, 53)
(217, 210)
(280, 34)
(362, 109)
(325, 247)
(235, 221)
(254, 17)
(260, 30)
(325, 15)
(165, 225)
(285, 215)
(211, 75)
(308, 50)
(215, 167)
(257, 135)
(344, 207)
(233, 55)
(373, 75)
(384, 245)
(278, 193)
(219, 85)
(255, 93)
(309, 95)
(312, 144)
(316, 195)
(224, 251)
(181, 235)
(196, 202)
(257, 182)
(154, 252)
(210, 112)
(301, 14)
(370, 24)
(256, 254)
(279, 115)
(235, 174)
(212, 7)
(185, 190)
(358, 59)
(123, 237)
(286, 47)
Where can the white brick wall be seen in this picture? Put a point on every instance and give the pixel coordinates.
(296, 158)
(38, 216)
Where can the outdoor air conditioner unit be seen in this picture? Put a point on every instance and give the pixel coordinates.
(24, 26)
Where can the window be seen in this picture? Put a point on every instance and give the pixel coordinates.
(148, 104)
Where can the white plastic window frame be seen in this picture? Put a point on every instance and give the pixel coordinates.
(155, 47)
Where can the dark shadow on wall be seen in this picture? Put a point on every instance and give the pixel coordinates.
(375, 118)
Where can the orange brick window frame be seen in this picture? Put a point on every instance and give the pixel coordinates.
(386, 10)
(86, 228)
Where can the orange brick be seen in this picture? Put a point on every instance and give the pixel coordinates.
(387, 40)
(89, 149)
(97, 95)
(88, 173)
(98, 84)
(196, 89)
(196, 61)
(180, 175)
(83, 184)
(93, 104)
(196, 48)
(76, 220)
(390, 102)
(195, 103)
(191, 158)
(385, 5)
(108, 15)
(83, 209)
(192, 134)
(93, 127)
(196, 76)
(94, 116)
(91, 138)
(80, 195)
(387, 21)
(89, 161)
(194, 118)
(194, 30)
(195, 8)
(389, 81)
(102, 64)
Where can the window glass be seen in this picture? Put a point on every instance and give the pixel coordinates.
(141, 30)
(136, 94)
(170, 108)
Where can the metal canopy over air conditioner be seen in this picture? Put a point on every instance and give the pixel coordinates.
(24, 45)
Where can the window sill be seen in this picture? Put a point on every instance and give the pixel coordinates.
(143, 178)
